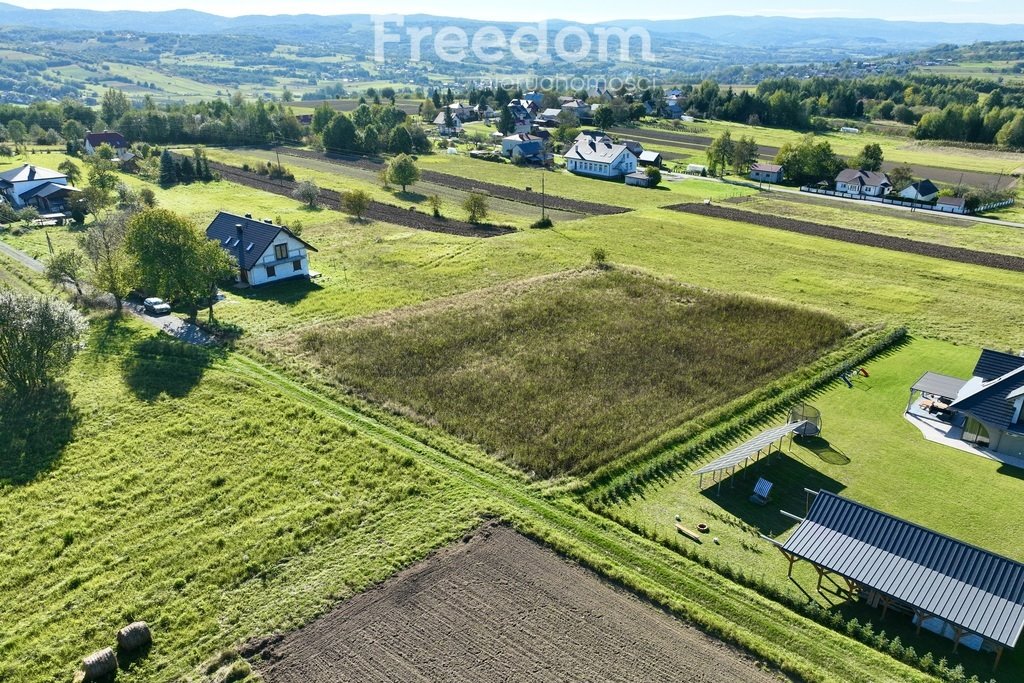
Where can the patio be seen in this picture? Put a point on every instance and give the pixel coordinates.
(949, 433)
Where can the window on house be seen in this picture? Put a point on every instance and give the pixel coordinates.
(271, 271)
(297, 265)
(280, 251)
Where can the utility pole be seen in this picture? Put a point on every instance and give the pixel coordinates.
(543, 208)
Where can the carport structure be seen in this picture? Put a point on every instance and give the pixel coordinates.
(752, 450)
(889, 561)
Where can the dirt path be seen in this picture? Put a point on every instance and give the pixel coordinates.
(500, 607)
(469, 185)
(377, 210)
(957, 254)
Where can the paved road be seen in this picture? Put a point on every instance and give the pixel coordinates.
(170, 324)
(21, 257)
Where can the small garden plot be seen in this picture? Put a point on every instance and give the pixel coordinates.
(563, 374)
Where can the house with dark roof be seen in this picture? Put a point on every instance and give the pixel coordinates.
(766, 173)
(265, 252)
(599, 157)
(989, 405)
(510, 143)
(93, 141)
(921, 191)
(447, 128)
(29, 185)
(860, 182)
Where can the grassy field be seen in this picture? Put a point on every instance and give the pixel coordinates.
(565, 374)
(868, 452)
(154, 498)
(896, 149)
(921, 226)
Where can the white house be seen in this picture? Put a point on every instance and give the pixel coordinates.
(454, 128)
(871, 183)
(93, 141)
(921, 191)
(523, 113)
(600, 157)
(265, 252)
(36, 186)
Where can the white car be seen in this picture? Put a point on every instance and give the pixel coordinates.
(155, 306)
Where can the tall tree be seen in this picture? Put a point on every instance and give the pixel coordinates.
(870, 158)
(38, 339)
(719, 153)
(744, 155)
(168, 171)
(103, 244)
(604, 118)
(506, 123)
(340, 134)
(476, 207)
(402, 171)
(173, 259)
(66, 266)
(114, 105)
(70, 169)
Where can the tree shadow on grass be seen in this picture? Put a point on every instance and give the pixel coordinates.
(158, 366)
(34, 431)
(789, 476)
(407, 196)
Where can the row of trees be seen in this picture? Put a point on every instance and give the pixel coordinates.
(368, 130)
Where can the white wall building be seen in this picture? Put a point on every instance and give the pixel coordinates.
(265, 252)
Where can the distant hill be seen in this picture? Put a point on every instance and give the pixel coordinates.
(746, 32)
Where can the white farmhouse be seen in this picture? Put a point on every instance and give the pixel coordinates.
(600, 157)
(871, 183)
(265, 252)
(28, 185)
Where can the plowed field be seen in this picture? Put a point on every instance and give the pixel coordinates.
(500, 607)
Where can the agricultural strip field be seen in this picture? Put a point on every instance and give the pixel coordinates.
(565, 373)
(530, 197)
(919, 156)
(920, 226)
(957, 254)
(376, 211)
(343, 177)
(498, 607)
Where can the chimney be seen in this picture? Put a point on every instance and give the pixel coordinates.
(240, 249)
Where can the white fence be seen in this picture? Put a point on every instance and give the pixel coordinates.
(920, 206)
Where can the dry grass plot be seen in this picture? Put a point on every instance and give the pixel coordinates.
(500, 607)
(565, 373)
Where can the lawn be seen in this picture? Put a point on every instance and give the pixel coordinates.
(564, 374)
(867, 452)
(155, 498)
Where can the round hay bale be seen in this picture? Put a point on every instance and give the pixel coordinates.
(133, 636)
(99, 664)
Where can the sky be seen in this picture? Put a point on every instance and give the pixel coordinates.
(587, 11)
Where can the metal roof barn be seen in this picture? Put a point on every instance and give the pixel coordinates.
(973, 590)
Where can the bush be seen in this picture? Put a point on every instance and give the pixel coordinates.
(543, 223)
(599, 257)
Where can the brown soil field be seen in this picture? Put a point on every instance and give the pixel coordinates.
(957, 254)
(467, 184)
(377, 211)
(499, 607)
